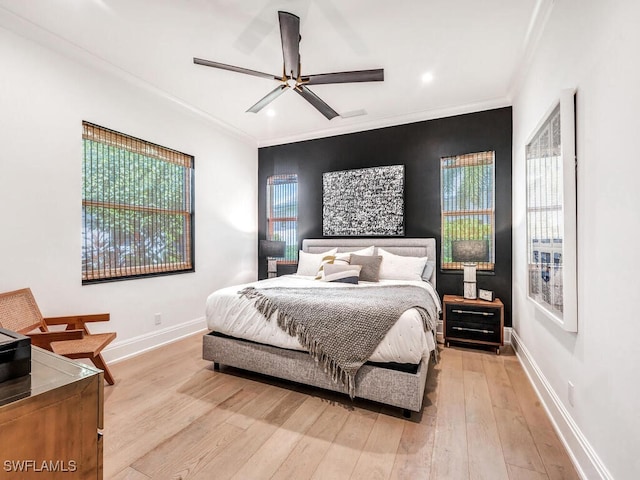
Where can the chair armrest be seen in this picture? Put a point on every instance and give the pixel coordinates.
(44, 339)
(77, 321)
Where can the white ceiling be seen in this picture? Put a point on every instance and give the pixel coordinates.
(473, 49)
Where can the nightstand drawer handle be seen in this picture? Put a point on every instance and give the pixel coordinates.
(484, 314)
(472, 330)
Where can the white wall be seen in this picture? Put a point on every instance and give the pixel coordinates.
(594, 47)
(44, 97)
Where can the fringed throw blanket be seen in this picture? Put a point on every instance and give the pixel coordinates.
(342, 327)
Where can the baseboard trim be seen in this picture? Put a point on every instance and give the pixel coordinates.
(132, 347)
(582, 454)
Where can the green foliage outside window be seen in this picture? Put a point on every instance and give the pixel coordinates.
(137, 213)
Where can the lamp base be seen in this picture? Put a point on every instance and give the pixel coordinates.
(470, 291)
(272, 268)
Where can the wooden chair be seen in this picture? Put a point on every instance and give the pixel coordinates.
(19, 312)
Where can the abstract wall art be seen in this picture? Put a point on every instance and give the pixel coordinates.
(363, 202)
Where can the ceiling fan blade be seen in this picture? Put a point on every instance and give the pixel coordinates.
(268, 98)
(376, 75)
(290, 35)
(317, 102)
(224, 66)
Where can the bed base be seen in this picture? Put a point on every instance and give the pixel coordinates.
(391, 387)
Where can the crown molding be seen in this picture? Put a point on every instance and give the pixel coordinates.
(390, 121)
(539, 18)
(52, 41)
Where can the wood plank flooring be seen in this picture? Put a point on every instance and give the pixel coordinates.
(170, 415)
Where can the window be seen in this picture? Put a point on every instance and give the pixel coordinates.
(137, 207)
(467, 200)
(551, 214)
(282, 213)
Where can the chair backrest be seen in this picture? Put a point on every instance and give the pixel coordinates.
(19, 311)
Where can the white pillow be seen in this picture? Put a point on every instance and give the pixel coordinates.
(341, 273)
(326, 260)
(342, 258)
(309, 263)
(397, 267)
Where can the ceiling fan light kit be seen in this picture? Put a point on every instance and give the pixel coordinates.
(291, 72)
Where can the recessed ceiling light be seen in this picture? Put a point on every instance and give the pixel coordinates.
(271, 112)
(427, 77)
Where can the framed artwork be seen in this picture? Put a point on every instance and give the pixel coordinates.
(551, 214)
(363, 202)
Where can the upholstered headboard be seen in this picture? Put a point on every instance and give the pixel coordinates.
(409, 247)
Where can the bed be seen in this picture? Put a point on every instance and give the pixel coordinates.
(395, 373)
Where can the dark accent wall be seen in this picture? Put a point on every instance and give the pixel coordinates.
(419, 147)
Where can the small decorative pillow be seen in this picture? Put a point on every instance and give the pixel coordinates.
(341, 273)
(309, 263)
(428, 270)
(370, 266)
(326, 260)
(343, 258)
(398, 267)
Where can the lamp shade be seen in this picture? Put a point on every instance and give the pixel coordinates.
(470, 251)
(271, 248)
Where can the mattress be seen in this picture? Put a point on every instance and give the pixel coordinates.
(227, 313)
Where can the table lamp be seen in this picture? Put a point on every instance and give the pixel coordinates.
(272, 250)
(469, 253)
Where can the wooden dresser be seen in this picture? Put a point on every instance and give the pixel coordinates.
(49, 421)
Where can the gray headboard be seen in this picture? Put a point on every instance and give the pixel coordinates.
(409, 247)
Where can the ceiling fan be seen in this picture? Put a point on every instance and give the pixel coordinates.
(291, 75)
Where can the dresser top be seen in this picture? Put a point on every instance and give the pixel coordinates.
(48, 372)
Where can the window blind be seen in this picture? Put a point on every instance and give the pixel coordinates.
(468, 205)
(137, 207)
(282, 213)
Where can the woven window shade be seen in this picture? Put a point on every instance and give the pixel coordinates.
(282, 213)
(137, 207)
(468, 207)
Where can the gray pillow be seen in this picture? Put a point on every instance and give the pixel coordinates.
(428, 270)
(370, 266)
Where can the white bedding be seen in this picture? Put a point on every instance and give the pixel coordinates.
(406, 342)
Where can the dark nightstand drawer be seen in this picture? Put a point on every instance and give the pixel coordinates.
(473, 312)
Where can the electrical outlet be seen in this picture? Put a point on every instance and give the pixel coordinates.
(570, 393)
(158, 318)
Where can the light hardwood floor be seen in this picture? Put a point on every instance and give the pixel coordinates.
(170, 415)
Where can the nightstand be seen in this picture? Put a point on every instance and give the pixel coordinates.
(475, 322)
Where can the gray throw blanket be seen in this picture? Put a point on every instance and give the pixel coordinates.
(342, 327)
